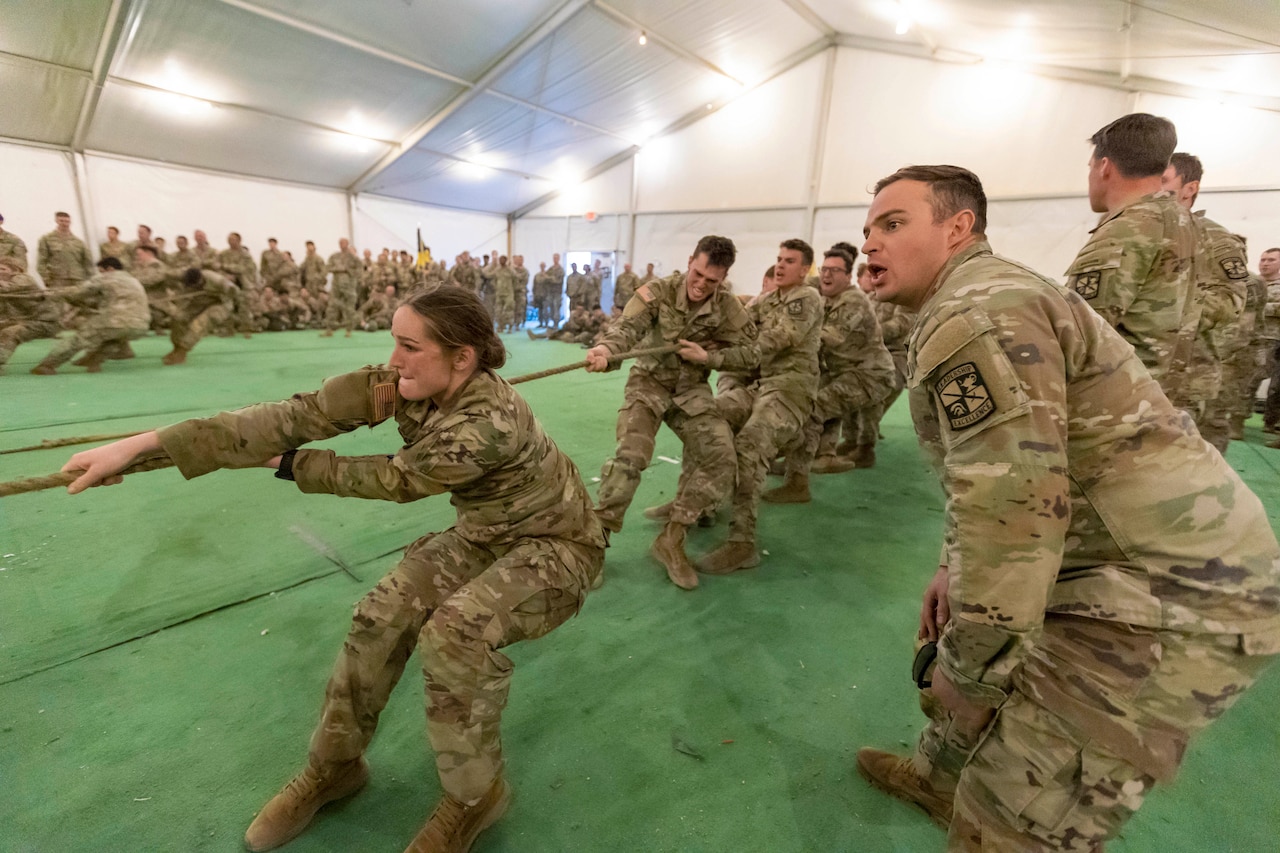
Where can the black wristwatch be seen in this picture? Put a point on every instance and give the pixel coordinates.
(285, 471)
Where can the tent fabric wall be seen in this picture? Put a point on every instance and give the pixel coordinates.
(34, 184)
(177, 201)
(388, 222)
(667, 239)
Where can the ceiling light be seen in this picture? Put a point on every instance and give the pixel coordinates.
(903, 25)
(644, 38)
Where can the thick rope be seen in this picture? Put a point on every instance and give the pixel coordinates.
(155, 463)
(65, 442)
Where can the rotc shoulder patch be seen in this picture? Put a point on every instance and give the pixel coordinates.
(1087, 284)
(1234, 268)
(383, 399)
(964, 396)
(795, 308)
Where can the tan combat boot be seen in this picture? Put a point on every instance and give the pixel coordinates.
(831, 465)
(895, 776)
(287, 813)
(43, 369)
(794, 490)
(454, 825)
(668, 549)
(662, 512)
(178, 356)
(327, 333)
(729, 558)
(863, 456)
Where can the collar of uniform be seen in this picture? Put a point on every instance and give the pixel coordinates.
(1112, 214)
(979, 247)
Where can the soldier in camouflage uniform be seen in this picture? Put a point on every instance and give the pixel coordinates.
(688, 309)
(378, 309)
(1210, 326)
(27, 313)
(236, 263)
(272, 267)
(183, 258)
(861, 431)
(519, 561)
(313, 269)
(157, 280)
(624, 289)
(1107, 586)
(62, 259)
(578, 329)
(1269, 270)
(114, 247)
(504, 296)
(555, 291)
(118, 313)
(345, 267)
(592, 284)
(204, 251)
(522, 290)
(1138, 268)
(856, 371)
(573, 288)
(206, 300)
(770, 415)
(11, 246)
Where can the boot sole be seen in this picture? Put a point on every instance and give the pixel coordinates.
(941, 820)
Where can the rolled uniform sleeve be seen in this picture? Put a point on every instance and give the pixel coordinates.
(997, 398)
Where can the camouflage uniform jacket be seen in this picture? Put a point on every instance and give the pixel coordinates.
(273, 267)
(555, 278)
(896, 323)
(11, 246)
(1270, 331)
(624, 288)
(1210, 319)
(183, 260)
(378, 307)
(507, 478)
(789, 336)
(346, 269)
(467, 277)
(214, 289)
(1073, 486)
(63, 259)
(313, 273)
(238, 265)
(573, 286)
(660, 313)
(207, 255)
(522, 280)
(851, 340)
(118, 301)
(504, 283)
(1253, 318)
(1138, 272)
(154, 277)
(29, 305)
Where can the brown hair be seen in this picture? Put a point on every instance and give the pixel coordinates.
(455, 317)
(1187, 166)
(720, 251)
(795, 244)
(1139, 144)
(951, 190)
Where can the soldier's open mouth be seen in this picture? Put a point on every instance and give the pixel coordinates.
(877, 273)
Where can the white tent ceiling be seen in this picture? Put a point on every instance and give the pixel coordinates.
(492, 104)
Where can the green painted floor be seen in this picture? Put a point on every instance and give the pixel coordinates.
(164, 646)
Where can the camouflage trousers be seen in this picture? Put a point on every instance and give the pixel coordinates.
(91, 339)
(840, 397)
(862, 427)
(522, 306)
(1125, 702)
(19, 333)
(504, 313)
(555, 306)
(706, 472)
(341, 311)
(458, 603)
(763, 424)
(1241, 375)
(186, 333)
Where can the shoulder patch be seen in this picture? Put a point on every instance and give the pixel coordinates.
(964, 396)
(1234, 268)
(645, 292)
(796, 307)
(1087, 284)
(382, 399)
